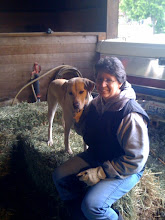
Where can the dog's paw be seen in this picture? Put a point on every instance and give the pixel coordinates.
(50, 143)
(69, 151)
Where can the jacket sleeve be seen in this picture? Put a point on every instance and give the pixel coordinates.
(132, 135)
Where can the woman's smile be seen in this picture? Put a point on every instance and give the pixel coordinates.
(107, 85)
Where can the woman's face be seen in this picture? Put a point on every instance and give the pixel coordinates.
(107, 85)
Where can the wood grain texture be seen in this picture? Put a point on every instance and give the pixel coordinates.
(47, 48)
(18, 54)
(38, 38)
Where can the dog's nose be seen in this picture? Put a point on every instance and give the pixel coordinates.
(76, 105)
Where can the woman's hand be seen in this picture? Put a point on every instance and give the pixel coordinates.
(92, 176)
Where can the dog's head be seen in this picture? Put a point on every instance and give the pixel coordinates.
(77, 91)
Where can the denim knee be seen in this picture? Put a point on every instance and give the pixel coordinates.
(91, 210)
(94, 210)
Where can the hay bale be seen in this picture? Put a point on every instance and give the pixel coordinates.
(41, 158)
(7, 101)
(145, 201)
(157, 141)
(142, 202)
(7, 141)
(25, 126)
(150, 197)
(23, 116)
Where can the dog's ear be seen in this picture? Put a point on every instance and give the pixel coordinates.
(89, 85)
(64, 87)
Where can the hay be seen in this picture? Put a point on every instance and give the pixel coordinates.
(149, 197)
(22, 116)
(145, 200)
(41, 158)
(157, 141)
(25, 126)
(7, 141)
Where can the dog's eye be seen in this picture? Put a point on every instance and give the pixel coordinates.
(81, 92)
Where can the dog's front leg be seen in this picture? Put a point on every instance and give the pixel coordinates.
(67, 128)
(51, 112)
(50, 139)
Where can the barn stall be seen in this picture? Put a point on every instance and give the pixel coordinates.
(20, 51)
(25, 37)
(76, 27)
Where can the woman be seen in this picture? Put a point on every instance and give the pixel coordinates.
(114, 126)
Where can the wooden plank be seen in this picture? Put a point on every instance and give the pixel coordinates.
(54, 34)
(15, 77)
(147, 82)
(31, 58)
(102, 36)
(48, 39)
(15, 68)
(10, 88)
(23, 79)
(45, 66)
(85, 20)
(23, 96)
(74, 4)
(93, 19)
(112, 18)
(46, 49)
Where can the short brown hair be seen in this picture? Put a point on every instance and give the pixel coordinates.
(113, 66)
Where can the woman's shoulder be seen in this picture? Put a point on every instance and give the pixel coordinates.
(133, 106)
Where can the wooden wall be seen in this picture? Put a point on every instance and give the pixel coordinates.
(60, 16)
(18, 52)
(77, 26)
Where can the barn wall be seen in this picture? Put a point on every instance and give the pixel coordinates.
(18, 52)
(60, 16)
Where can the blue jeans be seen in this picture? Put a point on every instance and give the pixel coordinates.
(96, 200)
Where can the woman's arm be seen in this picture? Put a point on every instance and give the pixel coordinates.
(132, 135)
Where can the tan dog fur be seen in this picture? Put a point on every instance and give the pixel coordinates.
(72, 95)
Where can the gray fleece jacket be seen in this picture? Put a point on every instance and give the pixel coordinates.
(132, 135)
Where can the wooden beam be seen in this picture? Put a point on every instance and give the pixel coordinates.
(112, 18)
(36, 34)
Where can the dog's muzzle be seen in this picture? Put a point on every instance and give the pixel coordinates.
(76, 106)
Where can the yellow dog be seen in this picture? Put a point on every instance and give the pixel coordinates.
(72, 95)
